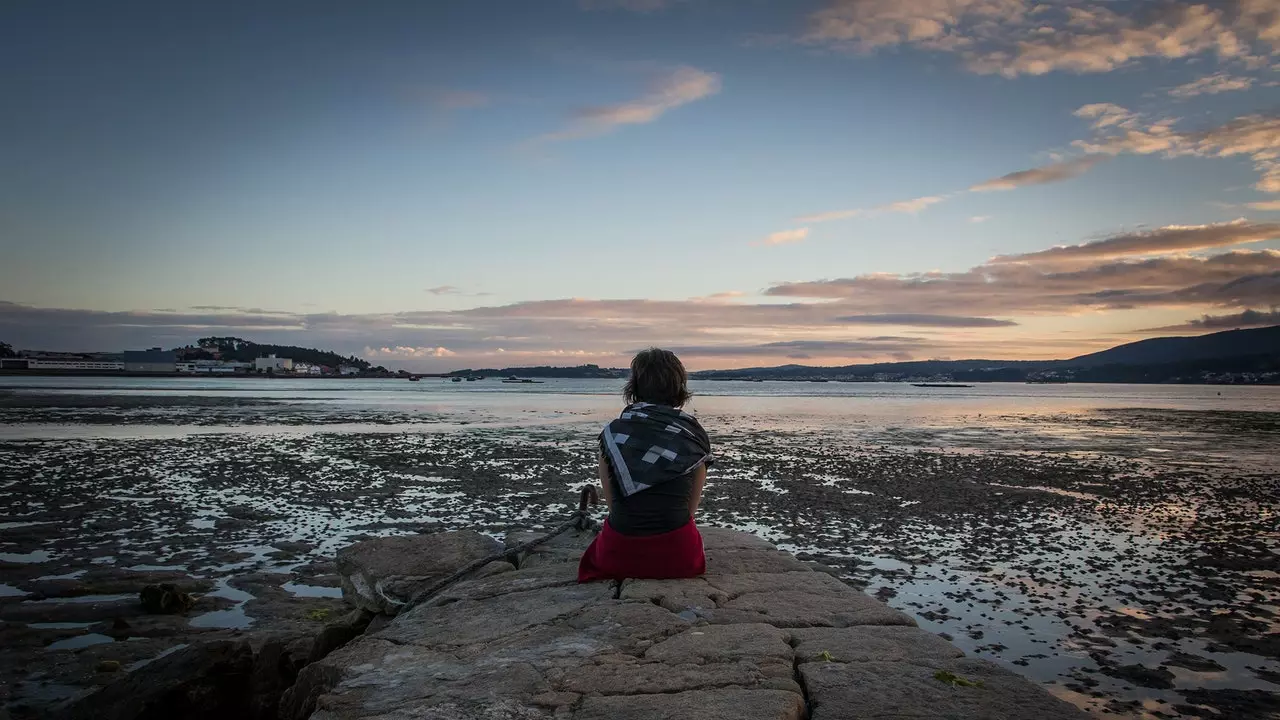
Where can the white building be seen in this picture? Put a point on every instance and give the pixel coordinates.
(43, 364)
(348, 370)
(271, 363)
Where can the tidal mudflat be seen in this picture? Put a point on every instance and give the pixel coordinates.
(1127, 557)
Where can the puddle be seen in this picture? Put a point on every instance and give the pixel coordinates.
(59, 625)
(147, 661)
(233, 618)
(11, 591)
(36, 556)
(68, 576)
(81, 599)
(80, 641)
(11, 525)
(317, 591)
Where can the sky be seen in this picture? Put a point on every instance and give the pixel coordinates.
(440, 185)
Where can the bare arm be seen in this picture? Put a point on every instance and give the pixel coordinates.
(695, 494)
(606, 484)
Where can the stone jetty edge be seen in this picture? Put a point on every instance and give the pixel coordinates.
(762, 636)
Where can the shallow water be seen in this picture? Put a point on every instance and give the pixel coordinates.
(1050, 528)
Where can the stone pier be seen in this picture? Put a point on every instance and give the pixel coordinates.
(762, 636)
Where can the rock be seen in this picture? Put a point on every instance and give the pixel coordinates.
(802, 607)
(381, 574)
(723, 643)
(533, 643)
(108, 666)
(1194, 662)
(165, 599)
(565, 548)
(275, 668)
(209, 681)
(872, 643)
(336, 634)
(1138, 674)
(714, 704)
(851, 691)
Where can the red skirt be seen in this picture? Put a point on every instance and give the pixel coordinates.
(614, 556)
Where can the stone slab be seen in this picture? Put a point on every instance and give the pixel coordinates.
(799, 608)
(884, 690)
(873, 643)
(714, 704)
(674, 595)
(723, 643)
(380, 574)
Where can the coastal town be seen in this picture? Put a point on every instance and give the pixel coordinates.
(211, 356)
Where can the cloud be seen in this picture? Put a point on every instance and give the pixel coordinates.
(444, 290)
(969, 313)
(1248, 318)
(1026, 37)
(1054, 172)
(1219, 82)
(1236, 279)
(1245, 319)
(1264, 205)
(783, 237)
(1172, 238)
(672, 89)
(805, 349)
(402, 352)
(911, 206)
(954, 321)
(979, 218)
(1121, 131)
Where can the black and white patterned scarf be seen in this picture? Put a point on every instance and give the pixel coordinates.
(651, 444)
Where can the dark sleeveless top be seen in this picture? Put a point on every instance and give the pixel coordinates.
(659, 509)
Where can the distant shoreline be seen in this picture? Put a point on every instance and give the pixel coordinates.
(446, 376)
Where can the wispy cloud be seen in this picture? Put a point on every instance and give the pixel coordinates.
(783, 237)
(444, 290)
(667, 92)
(909, 207)
(1051, 173)
(979, 218)
(1026, 37)
(1269, 205)
(404, 353)
(1165, 240)
(1246, 319)
(1121, 131)
(954, 314)
(921, 320)
(1212, 85)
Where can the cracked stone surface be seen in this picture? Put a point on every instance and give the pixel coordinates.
(760, 637)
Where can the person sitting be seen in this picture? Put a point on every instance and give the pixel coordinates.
(652, 464)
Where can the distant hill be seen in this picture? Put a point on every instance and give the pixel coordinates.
(233, 348)
(1251, 356)
(546, 371)
(1215, 346)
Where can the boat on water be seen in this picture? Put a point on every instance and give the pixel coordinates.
(414, 378)
(456, 379)
(941, 385)
(472, 378)
(519, 381)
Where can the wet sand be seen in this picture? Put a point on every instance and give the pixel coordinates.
(1127, 557)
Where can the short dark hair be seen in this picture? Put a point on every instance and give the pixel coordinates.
(658, 377)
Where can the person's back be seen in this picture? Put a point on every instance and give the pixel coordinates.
(653, 462)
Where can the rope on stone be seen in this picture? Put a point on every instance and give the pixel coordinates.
(579, 519)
